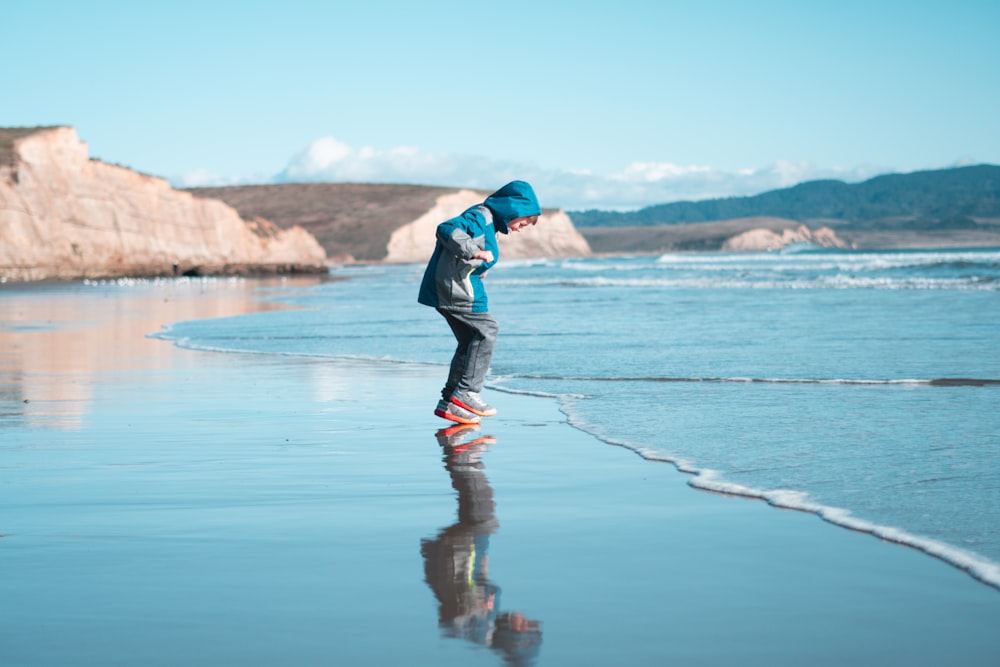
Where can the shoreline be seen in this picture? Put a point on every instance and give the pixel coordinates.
(168, 505)
(916, 241)
(978, 567)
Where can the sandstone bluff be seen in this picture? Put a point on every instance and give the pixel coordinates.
(65, 216)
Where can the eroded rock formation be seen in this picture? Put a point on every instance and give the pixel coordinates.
(65, 216)
(757, 240)
(553, 236)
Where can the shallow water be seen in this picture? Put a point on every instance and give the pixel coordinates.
(166, 506)
(864, 387)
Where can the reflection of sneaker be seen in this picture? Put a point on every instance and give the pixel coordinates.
(474, 403)
(450, 437)
(449, 433)
(455, 413)
(479, 442)
(468, 453)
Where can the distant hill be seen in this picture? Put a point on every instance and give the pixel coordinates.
(946, 199)
(346, 218)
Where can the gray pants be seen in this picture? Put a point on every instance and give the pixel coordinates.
(476, 334)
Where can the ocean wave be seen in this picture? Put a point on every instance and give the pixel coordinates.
(172, 281)
(835, 270)
(840, 282)
(933, 382)
(979, 567)
(873, 258)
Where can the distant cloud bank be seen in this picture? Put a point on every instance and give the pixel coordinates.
(641, 184)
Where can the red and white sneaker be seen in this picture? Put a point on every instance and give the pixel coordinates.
(474, 403)
(455, 413)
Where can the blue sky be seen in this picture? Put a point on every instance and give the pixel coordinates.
(600, 104)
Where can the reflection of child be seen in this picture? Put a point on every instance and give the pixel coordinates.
(456, 560)
(466, 248)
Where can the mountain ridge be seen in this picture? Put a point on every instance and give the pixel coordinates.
(955, 198)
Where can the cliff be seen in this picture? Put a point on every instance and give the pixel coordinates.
(392, 223)
(65, 216)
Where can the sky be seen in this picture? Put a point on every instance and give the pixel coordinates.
(607, 105)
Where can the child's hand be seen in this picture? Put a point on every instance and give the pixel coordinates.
(484, 255)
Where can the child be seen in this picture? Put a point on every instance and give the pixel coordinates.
(453, 283)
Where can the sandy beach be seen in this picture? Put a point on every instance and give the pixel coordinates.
(163, 506)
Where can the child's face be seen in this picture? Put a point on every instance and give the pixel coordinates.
(517, 224)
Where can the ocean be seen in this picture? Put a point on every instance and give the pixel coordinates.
(863, 387)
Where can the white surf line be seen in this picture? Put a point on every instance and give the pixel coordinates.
(986, 571)
(933, 382)
(978, 567)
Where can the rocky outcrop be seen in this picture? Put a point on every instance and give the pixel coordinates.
(65, 216)
(553, 236)
(759, 240)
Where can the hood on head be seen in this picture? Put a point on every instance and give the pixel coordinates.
(515, 200)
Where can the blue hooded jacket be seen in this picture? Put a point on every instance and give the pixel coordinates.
(452, 279)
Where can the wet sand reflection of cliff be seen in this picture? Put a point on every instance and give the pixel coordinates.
(456, 561)
(57, 340)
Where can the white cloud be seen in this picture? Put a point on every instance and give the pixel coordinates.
(789, 173)
(657, 171)
(195, 179)
(640, 184)
(328, 159)
(322, 154)
(203, 178)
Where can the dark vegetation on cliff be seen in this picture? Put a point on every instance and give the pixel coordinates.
(8, 135)
(946, 199)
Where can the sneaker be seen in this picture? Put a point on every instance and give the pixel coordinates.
(455, 413)
(474, 403)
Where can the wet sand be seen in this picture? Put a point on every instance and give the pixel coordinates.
(169, 507)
